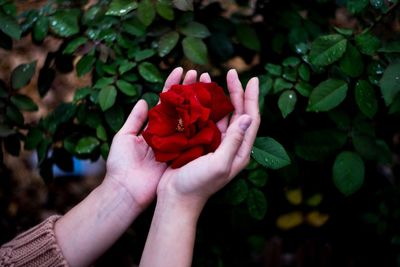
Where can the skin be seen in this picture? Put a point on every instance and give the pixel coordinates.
(134, 178)
(183, 192)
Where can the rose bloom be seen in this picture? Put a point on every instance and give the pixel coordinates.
(182, 127)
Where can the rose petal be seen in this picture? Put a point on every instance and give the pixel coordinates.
(170, 143)
(187, 156)
(220, 103)
(204, 137)
(166, 156)
(216, 140)
(162, 120)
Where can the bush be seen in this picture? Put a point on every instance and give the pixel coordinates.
(326, 159)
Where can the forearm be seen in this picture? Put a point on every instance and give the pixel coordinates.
(172, 233)
(91, 227)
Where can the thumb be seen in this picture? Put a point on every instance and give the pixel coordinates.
(136, 119)
(234, 137)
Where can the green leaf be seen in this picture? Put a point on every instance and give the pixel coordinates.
(256, 204)
(390, 83)
(395, 106)
(14, 115)
(356, 6)
(121, 7)
(127, 88)
(103, 82)
(134, 27)
(365, 145)
(351, 63)
(86, 145)
(269, 153)
(304, 72)
(115, 117)
(125, 66)
(107, 97)
(237, 192)
(317, 145)
(327, 49)
(344, 31)
(167, 42)
(195, 50)
(248, 37)
(327, 95)
(367, 43)
(287, 102)
(64, 23)
(291, 62)
(75, 44)
(304, 88)
(22, 75)
(33, 138)
(24, 103)
(101, 133)
(146, 12)
(144, 54)
(258, 177)
(92, 15)
(366, 98)
(151, 99)
(274, 70)
(165, 10)
(149, 72)
(377, 4)
(281, 84)
(85, 65)
(10, 26)
(348, 172)
(183, 5)
(41, 28)
(195, 29)
(105, 150)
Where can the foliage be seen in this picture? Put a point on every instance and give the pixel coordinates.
(330, 103)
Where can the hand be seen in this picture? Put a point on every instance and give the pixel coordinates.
(201, 178)
(131, 163)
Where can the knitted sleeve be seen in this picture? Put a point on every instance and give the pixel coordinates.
(35, 247)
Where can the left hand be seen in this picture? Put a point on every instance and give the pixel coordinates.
(131, 163)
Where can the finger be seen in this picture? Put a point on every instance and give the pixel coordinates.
(226, 152)
(135, 120)
(190, 77)
(236, 93)
(173, 78)
(223, 124)
(251, 109)
(205, 78)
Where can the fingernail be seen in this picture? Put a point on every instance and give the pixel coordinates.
(244, 124)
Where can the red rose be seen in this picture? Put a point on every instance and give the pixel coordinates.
(183, 126)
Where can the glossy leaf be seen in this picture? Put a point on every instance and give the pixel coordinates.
(327, 95)
(269, 153)
(351, 63)
(115, 117)
(327, 49)
(248, 37)
(287, 102)
(195, 29)
(165, 10)
(24, 103)
(366, 98)
(85, 65)
(195, 50)
(149, 72)
(367, 43)
(127, 88)
(74, 45)
(258, 177)
(86, 145)
(107, 97)
(64, 23)
(348, 172)
(167, 42)
(41, 28)
(10, 26)
(22, 75)
(146, 12)
(390, 83)
(121, 7)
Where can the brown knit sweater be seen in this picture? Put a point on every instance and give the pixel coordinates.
(35, 247)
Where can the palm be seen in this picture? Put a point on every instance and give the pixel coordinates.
(132, 164)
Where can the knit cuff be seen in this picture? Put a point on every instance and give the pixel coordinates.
(35, 247)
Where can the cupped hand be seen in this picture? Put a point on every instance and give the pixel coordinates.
(202, 177)
(131, 163)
